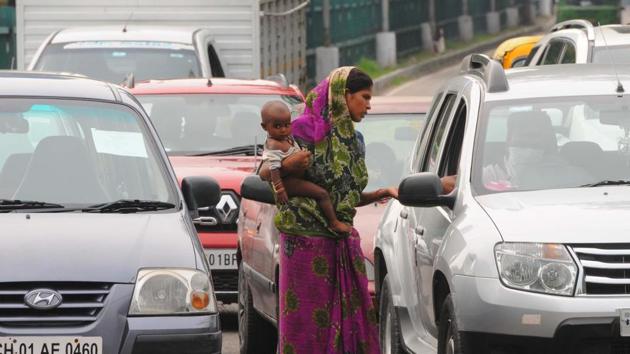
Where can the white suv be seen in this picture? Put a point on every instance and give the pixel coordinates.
(530, 253)
(579, 42)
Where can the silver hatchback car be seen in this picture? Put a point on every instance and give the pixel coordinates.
(99, 253)
(530, 253)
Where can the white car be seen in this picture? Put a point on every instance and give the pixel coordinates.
(112, 53)
(579, 42)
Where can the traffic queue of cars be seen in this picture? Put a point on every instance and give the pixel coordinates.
(526, 255)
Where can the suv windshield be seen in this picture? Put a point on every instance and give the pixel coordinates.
(77, 153)
(388, 138)
(196, 124)
(113, 61)
(552, 143)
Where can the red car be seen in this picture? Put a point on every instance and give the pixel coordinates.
(389, 132)
(212, 128)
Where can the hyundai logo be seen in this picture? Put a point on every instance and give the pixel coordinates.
(43, 299)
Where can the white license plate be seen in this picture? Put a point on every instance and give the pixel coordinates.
(222, 258)
(51, 345)
(624, 322)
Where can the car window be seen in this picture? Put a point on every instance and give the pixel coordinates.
(551, 143)
(437, 134)
(192, 124)
(388, 139)
(619, 54)
(568, 57)
(553, 52)
(114, 61)
(215, 62)
(417, 154)
(531, 55)
(78, 152)
(449, 161)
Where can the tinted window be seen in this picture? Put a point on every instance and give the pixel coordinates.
(552, 56)
(569, 54)
(113, 61)
(453, 147)
(437, 135)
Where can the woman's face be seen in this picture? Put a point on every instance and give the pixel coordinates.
(359, 103)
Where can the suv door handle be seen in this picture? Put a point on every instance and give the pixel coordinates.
(404, 214)
(419, 230)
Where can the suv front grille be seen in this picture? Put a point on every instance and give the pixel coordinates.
(221, 217)
(606, 268)
(81, 304)
(225, 280)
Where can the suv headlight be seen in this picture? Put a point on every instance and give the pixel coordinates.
(172, 292)
(540, 267)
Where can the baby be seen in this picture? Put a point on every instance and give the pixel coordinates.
(276, 121)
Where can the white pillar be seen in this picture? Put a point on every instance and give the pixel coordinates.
(427, 36)
(512, 17)
(493, 21)
(545, 7)
(386, 48)
(326, 60)
(466, 29)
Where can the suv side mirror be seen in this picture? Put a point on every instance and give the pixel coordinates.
(423, 189)
(256, 189)
(200, 192)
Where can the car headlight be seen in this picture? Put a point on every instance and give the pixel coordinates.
(540, 267)
(172, 292)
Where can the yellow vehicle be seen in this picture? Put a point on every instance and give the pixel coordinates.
(513, 52)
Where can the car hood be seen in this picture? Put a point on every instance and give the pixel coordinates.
(577, 215)
(229, 171)
(91, 247)
(366, 222)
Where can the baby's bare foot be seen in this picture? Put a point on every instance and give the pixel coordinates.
(339, 227)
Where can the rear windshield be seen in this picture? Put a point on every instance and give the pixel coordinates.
(74, 152)
(113, 61)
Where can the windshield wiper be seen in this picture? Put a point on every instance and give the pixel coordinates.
(248, 150)
(7, 205)
(128, 206)
(608, 183)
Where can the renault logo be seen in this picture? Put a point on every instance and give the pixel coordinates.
(43, 299)
(227, 209)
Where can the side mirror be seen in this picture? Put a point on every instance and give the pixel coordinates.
(256, 189)
(423, 190)
(200, 192)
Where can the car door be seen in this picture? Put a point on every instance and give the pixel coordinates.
(432, 223)
(409, 217)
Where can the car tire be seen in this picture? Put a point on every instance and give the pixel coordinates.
(255, 334)
(389, 326)
(450, 339)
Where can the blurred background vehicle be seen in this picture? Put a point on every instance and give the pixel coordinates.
(212, 128)
(513, 53)
(115, 53)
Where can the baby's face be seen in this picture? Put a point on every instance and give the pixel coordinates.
(279, 127)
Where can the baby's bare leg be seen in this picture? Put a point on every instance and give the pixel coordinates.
(296, 187)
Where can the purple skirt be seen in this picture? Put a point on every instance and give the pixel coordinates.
(325, 306)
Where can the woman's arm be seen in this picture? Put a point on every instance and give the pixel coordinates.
(372, 197)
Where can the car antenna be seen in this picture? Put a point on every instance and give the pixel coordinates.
(620, 89)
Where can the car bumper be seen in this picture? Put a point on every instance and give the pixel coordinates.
(136, 335)
(493, 315)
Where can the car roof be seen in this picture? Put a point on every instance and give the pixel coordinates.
(173, 34)
(512, 43)
(614, 35)
(213, 86)
(562, 81)
(399, 104)
(41, 84)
